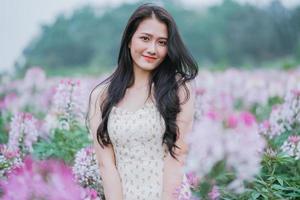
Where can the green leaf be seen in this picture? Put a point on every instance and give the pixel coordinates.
(280, 181)
(261, 182)
(278, 187)
(255, 195)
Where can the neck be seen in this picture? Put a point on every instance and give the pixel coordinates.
(141, 77)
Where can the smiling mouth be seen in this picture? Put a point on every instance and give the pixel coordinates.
(149, 58)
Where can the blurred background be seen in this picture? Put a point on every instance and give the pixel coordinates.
(245, 142)
(83, 36)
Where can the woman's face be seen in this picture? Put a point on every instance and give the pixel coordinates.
(148, 46)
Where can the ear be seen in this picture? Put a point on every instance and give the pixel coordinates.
(129, 44)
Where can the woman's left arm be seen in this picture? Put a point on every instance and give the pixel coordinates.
(173, 169)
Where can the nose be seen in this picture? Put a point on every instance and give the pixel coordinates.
(152, 48)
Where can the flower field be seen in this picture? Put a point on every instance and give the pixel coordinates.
(245, 142)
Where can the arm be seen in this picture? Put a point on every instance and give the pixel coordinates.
(105, 156)
(173, 169)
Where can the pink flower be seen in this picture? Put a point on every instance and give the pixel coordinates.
(8, 101)
(291, 146)
(86, 170)
(247, 118)
(35, 78)
(284, 116)
(211, 142)
(23, 132)
(266, 124)
(9, 160)
(294, 139)
(296, 92)
(47, 179)
(183, 192)
(214, 194)
(11, 154)
(92, 193)
(10, 97)
(193, 179)
(212, 115)
(89, 151)
(68, 103)
(200, 91)
(243, 119)
(2, 105)
(232, 121)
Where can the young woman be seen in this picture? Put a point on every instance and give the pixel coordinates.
(139, 116)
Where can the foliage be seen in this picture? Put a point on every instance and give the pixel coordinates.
(229, 34)
(3, 128)
(63, 145)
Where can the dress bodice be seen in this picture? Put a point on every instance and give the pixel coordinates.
(137, 140)
(136, 137)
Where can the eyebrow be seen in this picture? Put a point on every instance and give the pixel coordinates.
(152, 35)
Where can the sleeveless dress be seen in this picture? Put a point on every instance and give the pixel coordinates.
(136, 137)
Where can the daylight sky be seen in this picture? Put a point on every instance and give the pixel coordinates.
(20, 20)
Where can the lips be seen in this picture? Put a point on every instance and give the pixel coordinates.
(149, 58)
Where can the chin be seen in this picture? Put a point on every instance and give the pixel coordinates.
(148, 66)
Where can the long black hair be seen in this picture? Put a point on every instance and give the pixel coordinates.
(175, 70)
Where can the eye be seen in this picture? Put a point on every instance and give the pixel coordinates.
(162, 43)
(145, 38)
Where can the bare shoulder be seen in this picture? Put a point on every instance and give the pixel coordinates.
(98, 94)
(186, 96)
(185, 117)
(186, 92)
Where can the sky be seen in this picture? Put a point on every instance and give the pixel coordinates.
(20, 20)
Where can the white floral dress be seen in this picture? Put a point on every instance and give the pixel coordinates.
(137, 140)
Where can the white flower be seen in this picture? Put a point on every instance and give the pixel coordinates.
(206, 147)
(49, 124)
(284, 116)
(34, 79)
(68, 102)
(238, 143)
(243, 150)
(292, 146)
(86, 169)
(9, 160)
(32, 90)
(23, 132)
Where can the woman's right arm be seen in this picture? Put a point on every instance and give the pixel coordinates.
(105, 156)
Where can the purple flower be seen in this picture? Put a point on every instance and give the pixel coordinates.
(86, 170)
(35, 78)
(23, 132)
(9, 160)
(68, 103)
(284, 116)
(248, 119)
(211, 142)
(31, 90)
(183, 192)
(292, 146)
(193, 179)
(48, 179)
(214, 194)
(232, 121)
(8, 101)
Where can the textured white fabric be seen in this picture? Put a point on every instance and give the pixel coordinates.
(137, 140)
